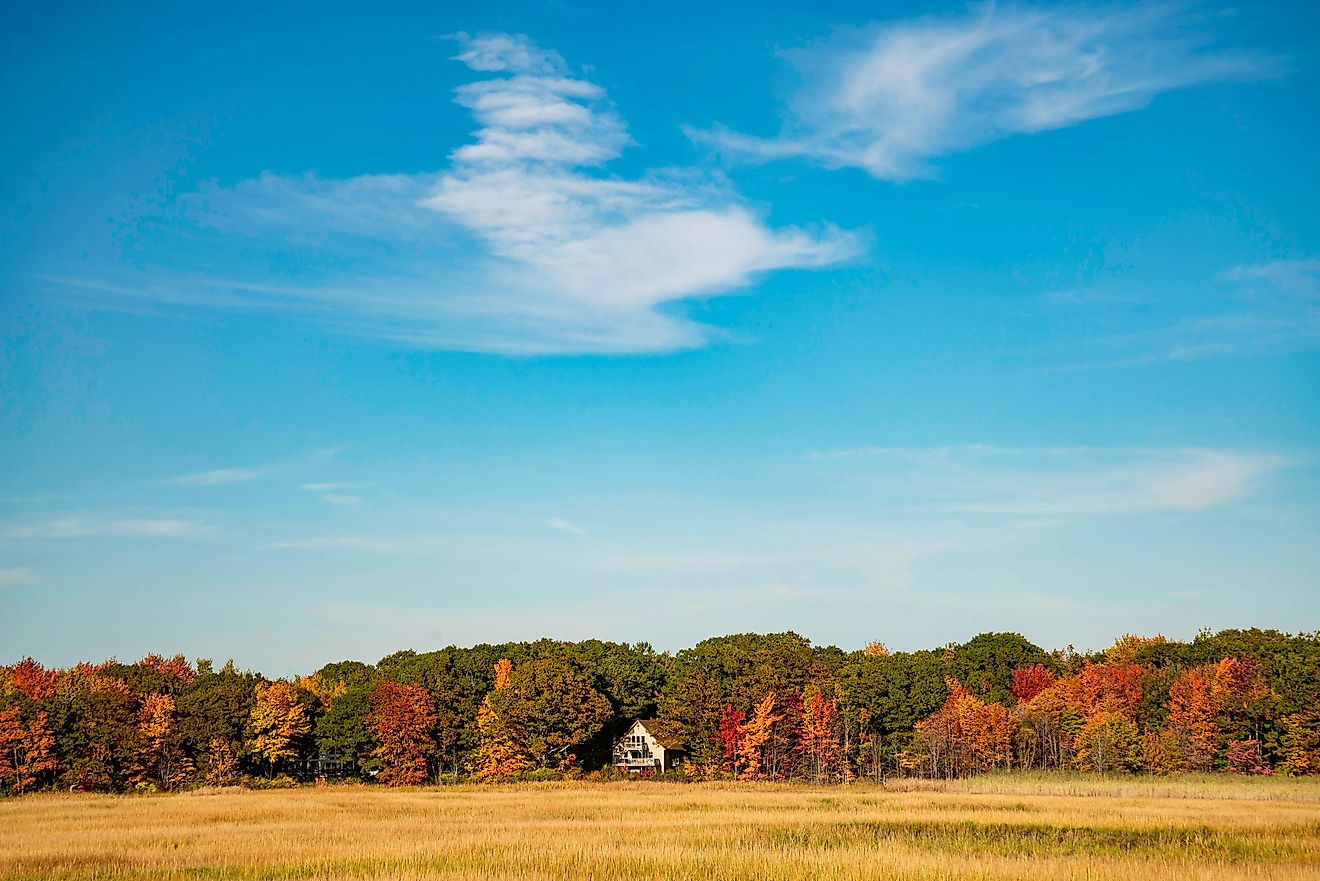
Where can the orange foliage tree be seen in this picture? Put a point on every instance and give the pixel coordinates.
(966, 735)
(176, 668)
(1212, 712)
(27, 750)
(757, 732)
(1187, 742)
(29, 679)
(403, 719)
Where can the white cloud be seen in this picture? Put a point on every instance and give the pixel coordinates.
(1300, 277)
(332, 493)
(80, 525)
(522, 245)
(1255, 309)
(565, 526)
(220, 476)
(17, 575)
(499, 52)
(365, 543)
(1058, 484)
(891, 98)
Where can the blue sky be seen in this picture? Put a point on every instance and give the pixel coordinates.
(329, 331)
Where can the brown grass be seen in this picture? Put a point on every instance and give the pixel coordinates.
(1006, 827)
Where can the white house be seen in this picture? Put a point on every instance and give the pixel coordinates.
(640, 750)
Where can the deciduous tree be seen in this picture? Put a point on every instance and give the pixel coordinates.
(402, 719)
(159, 759)
(27, 750)
(277, 724)
(756, 734)
(1030, 681)
(818, 743)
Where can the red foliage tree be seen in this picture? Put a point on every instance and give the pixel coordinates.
(1245, 757)
(818, 743)
(1030, 681)
(730, 737)
(403, 719)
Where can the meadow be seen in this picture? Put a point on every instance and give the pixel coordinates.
(1001, 827)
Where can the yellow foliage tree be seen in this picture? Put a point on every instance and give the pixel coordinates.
(1108, 741)
(159, 761)
(1128, 648)
(276, 723)
(498, 756)
(219, 765)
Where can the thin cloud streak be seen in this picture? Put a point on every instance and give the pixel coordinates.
(341, 499)
(1264, 308)
(363, 543)
(84, 525)
(220, 476)
(223, 476)
(565, 526)
(1058, 484)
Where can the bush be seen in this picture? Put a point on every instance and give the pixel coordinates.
(673, 775)
(284, 781)
(540, 775)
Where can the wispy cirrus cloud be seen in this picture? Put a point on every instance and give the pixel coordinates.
(15, 575)
(373, 544)
(1250, 309)
(523, 244)
(1300, 277)
(81, 525)
(565, 526)
(1065, 483)
(220, 476)
(332, 493)
(891, 98)
(343, 500)
(243, 474)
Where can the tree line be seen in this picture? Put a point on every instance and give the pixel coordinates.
(746, 706)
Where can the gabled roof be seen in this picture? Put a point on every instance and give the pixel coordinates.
(668, 741)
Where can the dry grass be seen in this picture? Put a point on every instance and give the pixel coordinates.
(1000, 827)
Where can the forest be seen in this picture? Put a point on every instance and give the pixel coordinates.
(747, 707)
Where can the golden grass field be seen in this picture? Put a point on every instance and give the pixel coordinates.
(1007, 827)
